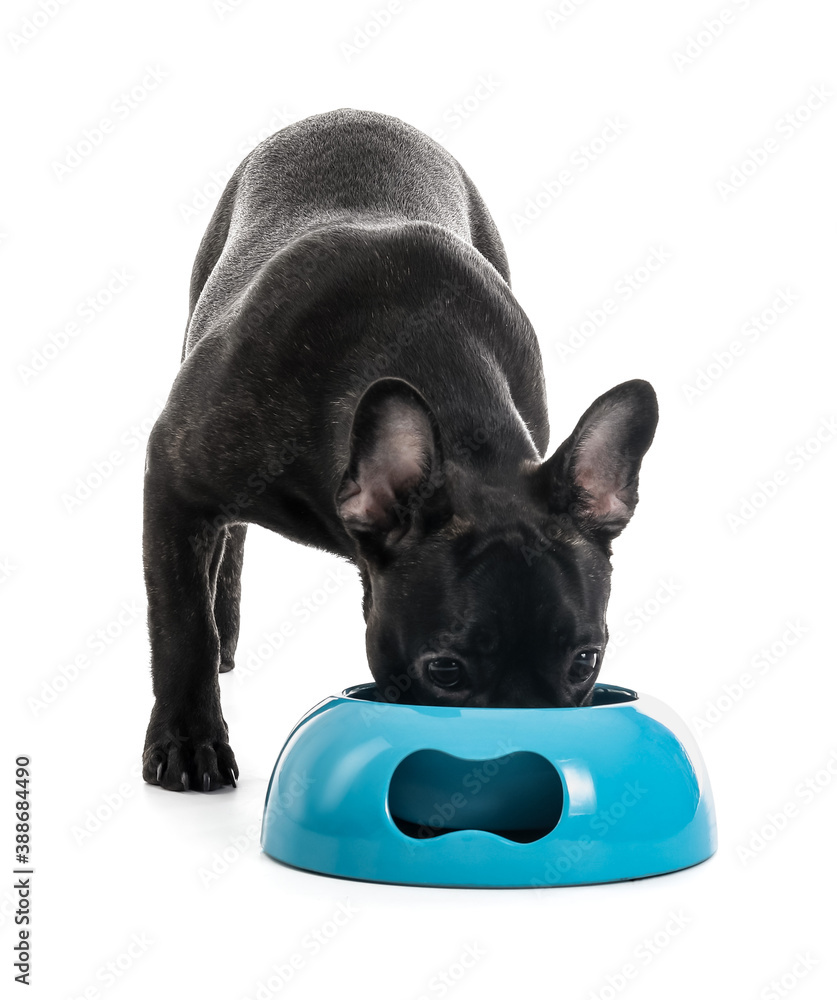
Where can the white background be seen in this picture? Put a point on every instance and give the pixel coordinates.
(138, 202)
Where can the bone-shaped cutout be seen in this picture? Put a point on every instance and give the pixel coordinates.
(519, 796)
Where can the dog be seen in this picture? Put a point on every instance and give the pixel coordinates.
(357, 375)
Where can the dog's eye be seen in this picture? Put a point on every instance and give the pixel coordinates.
(583, 665)
(445, 672)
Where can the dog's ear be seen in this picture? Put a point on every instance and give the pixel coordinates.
(394, 480)
(593, 476)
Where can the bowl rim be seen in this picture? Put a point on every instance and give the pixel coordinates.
(605, 696)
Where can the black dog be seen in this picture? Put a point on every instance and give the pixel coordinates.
(358, 376)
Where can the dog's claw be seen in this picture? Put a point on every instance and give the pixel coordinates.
(190, 764)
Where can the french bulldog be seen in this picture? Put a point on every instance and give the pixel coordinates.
(358, 376)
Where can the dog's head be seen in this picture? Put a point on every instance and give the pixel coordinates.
(486, 582)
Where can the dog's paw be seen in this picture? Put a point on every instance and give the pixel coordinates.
(181, 762)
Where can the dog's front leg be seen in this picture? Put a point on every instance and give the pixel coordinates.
(186, 743)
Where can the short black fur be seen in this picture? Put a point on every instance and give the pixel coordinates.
(358, 376)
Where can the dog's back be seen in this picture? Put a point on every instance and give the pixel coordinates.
(344, 167)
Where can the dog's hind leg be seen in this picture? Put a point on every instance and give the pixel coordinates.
(228, 591)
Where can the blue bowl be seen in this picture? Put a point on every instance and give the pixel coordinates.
(526, 797)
